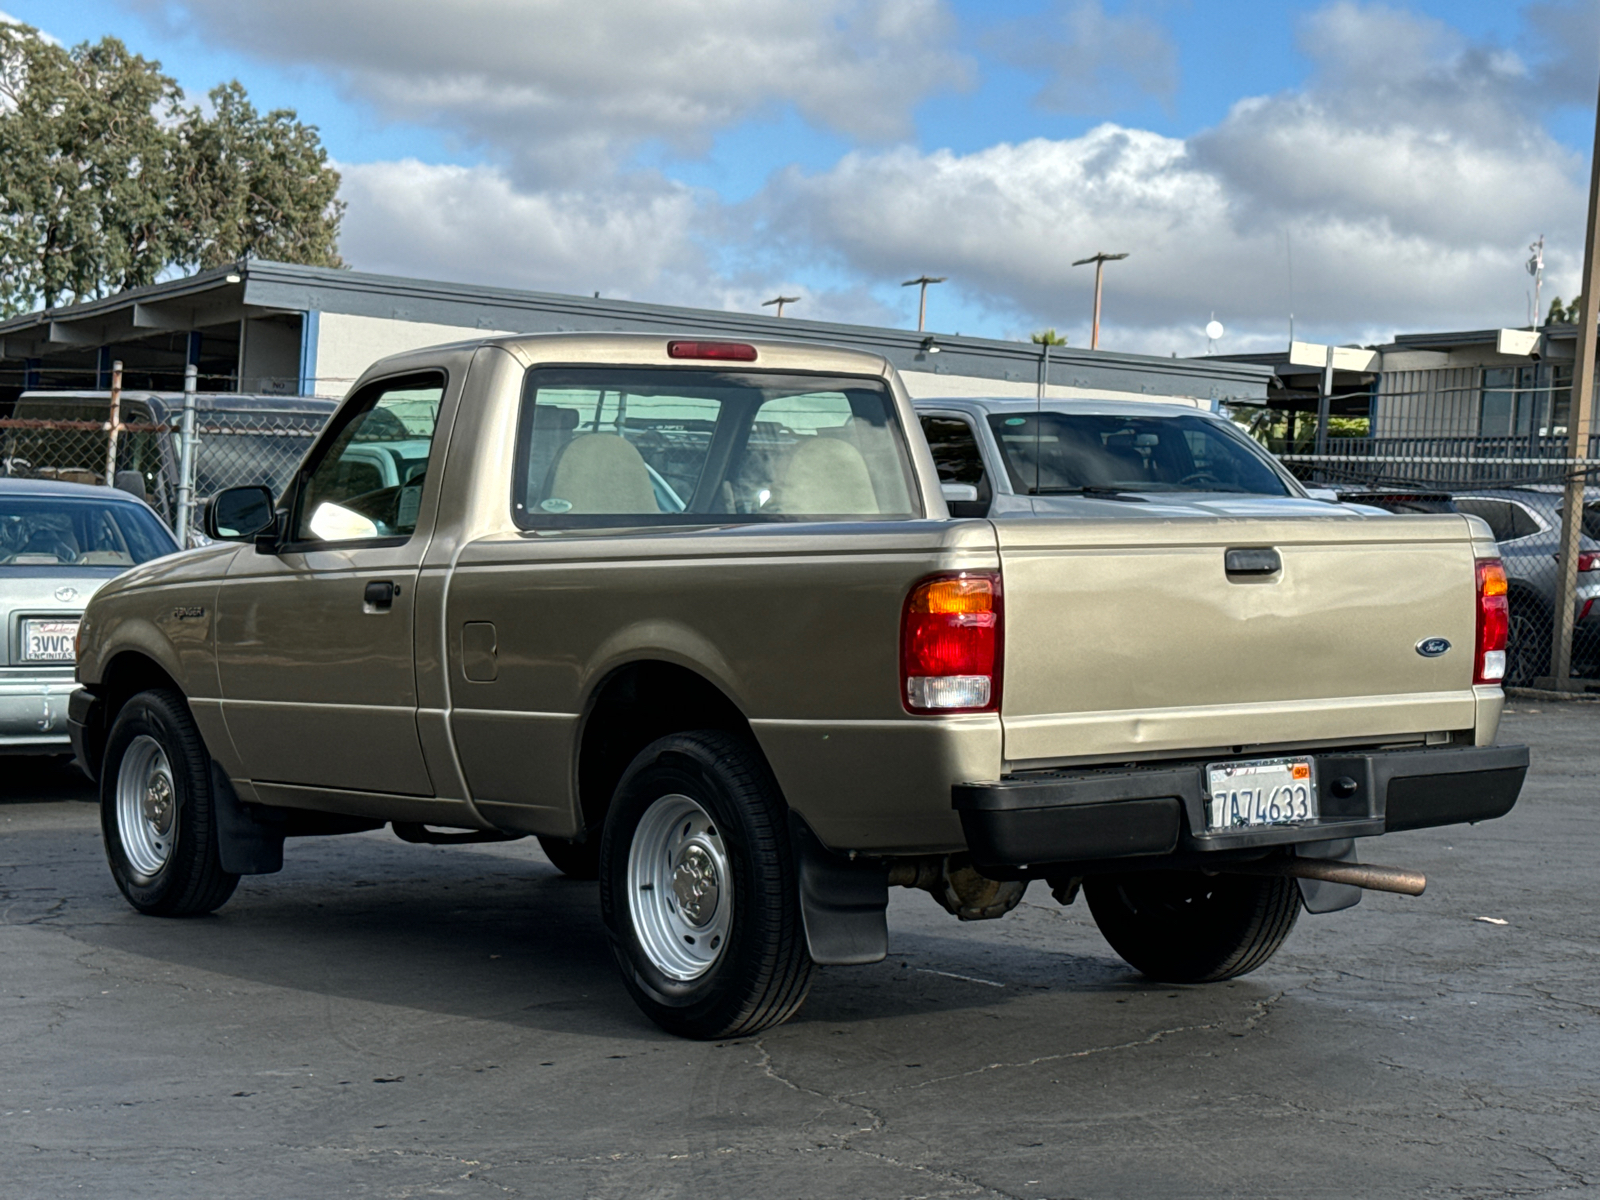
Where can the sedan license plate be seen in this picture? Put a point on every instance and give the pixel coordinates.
(49, 641)
(1266, 791)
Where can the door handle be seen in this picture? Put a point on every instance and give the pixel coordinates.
(379, 596)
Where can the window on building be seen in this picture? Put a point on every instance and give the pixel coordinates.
(1520, 401)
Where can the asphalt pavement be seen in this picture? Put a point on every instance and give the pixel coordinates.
(389, 1020)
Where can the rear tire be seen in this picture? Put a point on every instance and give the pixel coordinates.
(575, 860)
(1189, 927)
(157, 812)
(1529, 636)
(699, 891)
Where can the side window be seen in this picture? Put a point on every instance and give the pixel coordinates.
(959, 460)
(1496, 512)
(368, 481)
(1523, 523)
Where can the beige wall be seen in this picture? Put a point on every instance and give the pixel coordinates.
(925, 385)
(347, 345)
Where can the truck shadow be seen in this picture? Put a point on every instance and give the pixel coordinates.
(41, 779)
(502, 937)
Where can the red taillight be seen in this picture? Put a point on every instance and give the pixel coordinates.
(1494, 619)
(1586, 561)
(730, 351)
(950, 644)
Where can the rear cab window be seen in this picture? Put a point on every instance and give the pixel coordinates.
(676, 446)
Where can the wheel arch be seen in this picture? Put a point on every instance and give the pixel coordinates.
(632, 706)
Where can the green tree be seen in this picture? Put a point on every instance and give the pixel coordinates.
(84, 193)
(253, 185)
(110, 181)
(1569, 314)
(1047, 337)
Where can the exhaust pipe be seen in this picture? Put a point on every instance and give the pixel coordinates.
(1362, 875)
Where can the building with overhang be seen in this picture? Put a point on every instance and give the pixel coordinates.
(1473, 384)
(292, 330)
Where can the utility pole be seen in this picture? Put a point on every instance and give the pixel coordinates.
(1579, 420)
(780, 301)
(1099, 260)
(1536, 269)
(922, 303)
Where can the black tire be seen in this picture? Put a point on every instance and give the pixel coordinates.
(575, 860)
(1528, 640)
(1189, 927)
(763, 969)
(189, 879)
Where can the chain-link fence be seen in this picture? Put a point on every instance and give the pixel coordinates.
(1487, 441)
(237, 441)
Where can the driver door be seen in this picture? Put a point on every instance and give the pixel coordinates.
(315, 643)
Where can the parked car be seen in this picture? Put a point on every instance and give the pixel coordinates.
(1095, 457)
(241, 439)
(752, 711)
(59, 543)
(1526, 523)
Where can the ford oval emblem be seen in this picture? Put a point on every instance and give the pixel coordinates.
(66, 594)
(1433, 647)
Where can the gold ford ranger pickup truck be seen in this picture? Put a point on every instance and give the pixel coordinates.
(694, 613)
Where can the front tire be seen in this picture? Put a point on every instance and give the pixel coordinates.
(699, 891)
(1190, 927)
(157, 813)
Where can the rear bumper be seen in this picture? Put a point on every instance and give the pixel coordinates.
(1091, 816)
(33, 713)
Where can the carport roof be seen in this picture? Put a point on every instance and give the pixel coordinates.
(259, 289)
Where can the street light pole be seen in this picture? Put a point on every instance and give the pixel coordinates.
(780, 301)
(922, 302)
(1099, 260)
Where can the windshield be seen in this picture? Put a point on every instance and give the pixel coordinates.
(58, 531)
(1062, 453)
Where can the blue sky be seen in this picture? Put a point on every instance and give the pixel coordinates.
(1400, 156)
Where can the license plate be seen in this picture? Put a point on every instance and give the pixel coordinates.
(49, 641)
(1266, 791)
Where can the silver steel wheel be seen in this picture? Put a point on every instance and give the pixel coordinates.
(147, 806)
(680, 890)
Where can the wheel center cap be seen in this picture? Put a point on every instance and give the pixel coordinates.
(694, 883)
(158, 806)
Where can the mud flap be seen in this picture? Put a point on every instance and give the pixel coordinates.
(843, 901)
(1319, 896)
(245, 845)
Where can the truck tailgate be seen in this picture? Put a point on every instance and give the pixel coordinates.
(1130, 637)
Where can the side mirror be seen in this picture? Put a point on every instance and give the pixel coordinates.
(240, 514)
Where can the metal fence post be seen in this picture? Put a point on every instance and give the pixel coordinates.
(115, 421)
(186, 455)
(1324, 401)
(1580, 413)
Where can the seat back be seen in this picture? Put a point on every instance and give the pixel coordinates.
(827, 477)
(600, 473)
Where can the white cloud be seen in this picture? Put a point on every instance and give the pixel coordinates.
(1409, 174)
(571, 87)
(640, 237)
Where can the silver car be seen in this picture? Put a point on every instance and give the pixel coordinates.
(58, 543)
